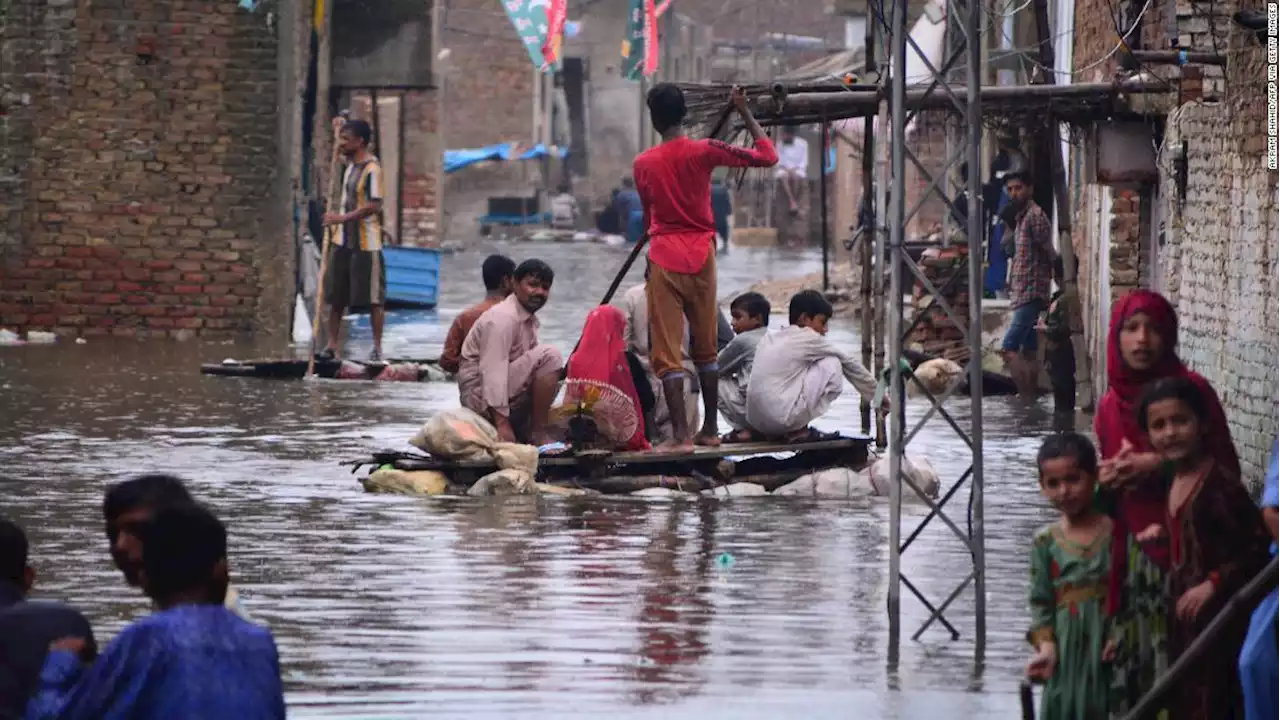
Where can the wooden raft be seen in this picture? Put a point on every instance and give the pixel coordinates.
(295, 369)
(770, 465)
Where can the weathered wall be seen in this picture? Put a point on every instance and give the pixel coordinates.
(1220, 259)
(138, 153)
(488, 91)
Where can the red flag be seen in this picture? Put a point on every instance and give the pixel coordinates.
(650, 38)
(555, 32)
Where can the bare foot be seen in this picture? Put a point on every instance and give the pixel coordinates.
(673, 446)
(711, 440)
(738, 437)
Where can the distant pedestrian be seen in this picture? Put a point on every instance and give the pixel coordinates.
(1070, 560)
(630, 210)
(1029, 284)
(27, 627)
(192, 658)
(1059, 353)
(793, 167)
(674, 182)
(722, 208)
(564, 209)
(356, 277)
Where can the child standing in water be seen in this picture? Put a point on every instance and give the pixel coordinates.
(1070, 560)
(1217, 543)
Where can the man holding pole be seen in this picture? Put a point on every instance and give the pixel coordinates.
(355, 276)
(674, 182)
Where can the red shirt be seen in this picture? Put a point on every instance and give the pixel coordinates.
(674, 181)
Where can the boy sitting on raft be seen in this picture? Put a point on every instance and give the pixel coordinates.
(798, 373)
(750, 313)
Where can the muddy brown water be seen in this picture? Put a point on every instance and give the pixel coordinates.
(388, 606)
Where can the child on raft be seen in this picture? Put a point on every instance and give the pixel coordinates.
(1070, 561)
(750, 313)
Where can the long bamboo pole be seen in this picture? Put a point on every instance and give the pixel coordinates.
(332, 199)
(840, 105)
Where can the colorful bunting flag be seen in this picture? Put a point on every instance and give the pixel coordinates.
(640, 47)
(529, 17)
(555, 35)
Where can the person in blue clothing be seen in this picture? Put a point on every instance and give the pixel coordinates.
(1259, 661)
(193, 658)
(630, 211)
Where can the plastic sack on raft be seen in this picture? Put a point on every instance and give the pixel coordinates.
(919, 471)
(406, 482)
(463, 436)
(936, 375)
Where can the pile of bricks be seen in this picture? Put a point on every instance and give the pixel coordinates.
(936, 334)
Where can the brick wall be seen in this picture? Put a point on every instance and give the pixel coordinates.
(1219, 263)
(489, 99)
(134, 190)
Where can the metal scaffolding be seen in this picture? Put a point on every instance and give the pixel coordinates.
(963, 53)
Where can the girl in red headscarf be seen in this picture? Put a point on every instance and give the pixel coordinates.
(601, 375)
(1140, 349)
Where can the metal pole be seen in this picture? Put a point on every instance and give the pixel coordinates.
(973, 119)
(898, 65)
(822, 188)
(868, 229)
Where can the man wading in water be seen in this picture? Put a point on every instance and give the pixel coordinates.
(674, 181)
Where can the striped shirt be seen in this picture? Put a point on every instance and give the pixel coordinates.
(361, 188)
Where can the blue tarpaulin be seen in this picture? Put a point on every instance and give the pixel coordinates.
(455, 160)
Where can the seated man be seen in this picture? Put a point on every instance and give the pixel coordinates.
(635, 308)
(27, 627)
(496, 272)
(192, 658)
(506, 375)
(797, 373)
(750, 321)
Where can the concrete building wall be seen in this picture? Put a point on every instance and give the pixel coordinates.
(1209, 246)
(138, 151)
(1219, 263)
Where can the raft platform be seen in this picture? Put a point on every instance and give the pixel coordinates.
(770, 465)
(296, 369)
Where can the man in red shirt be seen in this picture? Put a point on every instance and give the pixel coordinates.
(674, 182)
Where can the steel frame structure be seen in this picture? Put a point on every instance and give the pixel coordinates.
(964, 18)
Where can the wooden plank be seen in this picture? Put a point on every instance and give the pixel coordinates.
(696, 456)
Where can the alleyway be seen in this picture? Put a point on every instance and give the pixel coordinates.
(390, 606)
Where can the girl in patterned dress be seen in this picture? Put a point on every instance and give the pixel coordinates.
(1217, 543)
(1070, 560)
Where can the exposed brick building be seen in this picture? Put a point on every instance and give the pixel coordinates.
(138, 152)
(1205, 232)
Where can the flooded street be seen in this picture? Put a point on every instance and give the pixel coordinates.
(389, 606)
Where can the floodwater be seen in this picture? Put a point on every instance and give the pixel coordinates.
(388, 606)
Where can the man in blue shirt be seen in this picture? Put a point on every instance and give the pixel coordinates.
(193, 658)
(1259, 661)
(630, 211)
(27, 627)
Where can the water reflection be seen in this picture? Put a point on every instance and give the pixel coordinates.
(537, 607)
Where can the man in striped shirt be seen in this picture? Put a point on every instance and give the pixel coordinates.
(356, 277)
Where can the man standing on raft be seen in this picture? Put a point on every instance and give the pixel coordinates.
(674, 182)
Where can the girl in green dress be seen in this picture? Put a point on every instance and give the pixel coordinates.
(1070, 561)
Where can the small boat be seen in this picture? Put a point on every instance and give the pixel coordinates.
(296, 369)
(413, 276)
(770, 465)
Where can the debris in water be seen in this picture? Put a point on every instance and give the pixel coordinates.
(725, 561)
